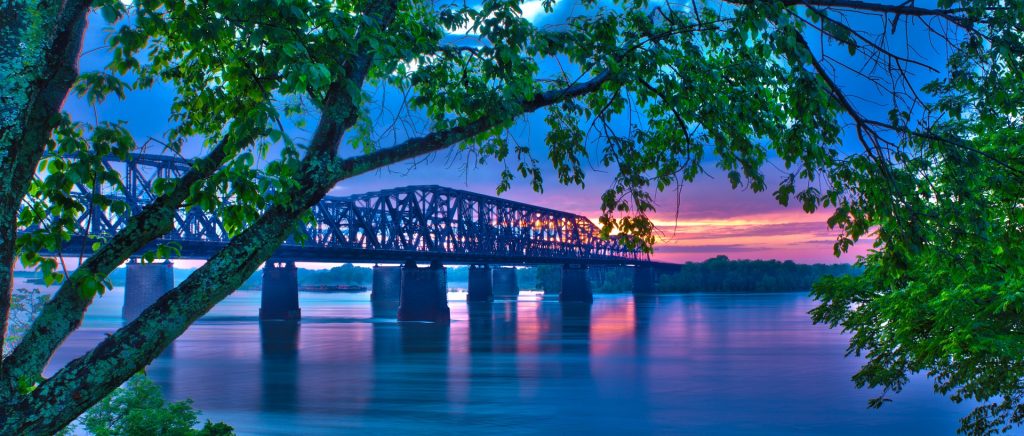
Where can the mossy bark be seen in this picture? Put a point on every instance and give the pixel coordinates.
(40, 44)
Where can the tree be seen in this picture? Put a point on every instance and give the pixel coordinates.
(654, 88)
(139, 408)
(943, 291)
(549, 278)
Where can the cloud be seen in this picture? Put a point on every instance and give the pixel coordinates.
(754, 230)
(533, 10)
(706, 249)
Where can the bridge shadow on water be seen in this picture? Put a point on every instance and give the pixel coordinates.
(279, 366)
(308, 320)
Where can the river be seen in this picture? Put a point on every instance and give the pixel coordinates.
(675, 364)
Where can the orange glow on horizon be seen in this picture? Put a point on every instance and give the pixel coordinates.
(785, 234)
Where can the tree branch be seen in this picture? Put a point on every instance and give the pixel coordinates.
(439, 140)
(79, 384)
(905, 8)
(65, 310)
(86, 380)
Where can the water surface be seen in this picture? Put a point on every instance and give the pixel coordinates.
(678, 364)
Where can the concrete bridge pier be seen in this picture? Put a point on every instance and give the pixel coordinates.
(144, 284)
(553, 290)
(424, 293)
(387, 283)
(387, 309)
(505, 283)
(480, 286)
(644, 280)
(280, 299)
(575, 286)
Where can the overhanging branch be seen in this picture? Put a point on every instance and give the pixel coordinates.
(345, 168)
(64, 312)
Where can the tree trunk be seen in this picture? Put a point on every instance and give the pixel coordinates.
(39, 49)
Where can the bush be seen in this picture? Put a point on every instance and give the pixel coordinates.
(138, 408)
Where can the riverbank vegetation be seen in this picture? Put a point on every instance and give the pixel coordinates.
(139, 408)
(720, 274)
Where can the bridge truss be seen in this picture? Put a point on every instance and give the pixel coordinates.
(417, 223)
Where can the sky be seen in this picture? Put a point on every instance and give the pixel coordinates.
(695, 222)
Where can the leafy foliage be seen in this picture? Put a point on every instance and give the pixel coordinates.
(25, 304)
(652, 93)
(139, 408)
(733, 82)
(943, 291)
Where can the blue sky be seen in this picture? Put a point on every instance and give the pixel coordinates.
(699, 220)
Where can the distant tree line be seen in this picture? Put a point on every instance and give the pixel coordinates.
(603, 279)
(719, 274)
(525, 277)
(346, 274)
(548, 278)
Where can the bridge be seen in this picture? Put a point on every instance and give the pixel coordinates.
(406, 226)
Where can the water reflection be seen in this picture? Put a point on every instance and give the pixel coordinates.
(505, 321)
(646, 364)
(575, 327)
(162, 371)
(279, 366)
(425, 342)
(410, 370)
(643, 313)
(481, 333)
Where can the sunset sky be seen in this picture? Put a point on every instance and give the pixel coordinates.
(703, 219)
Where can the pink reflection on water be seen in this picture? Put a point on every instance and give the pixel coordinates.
(701, 363)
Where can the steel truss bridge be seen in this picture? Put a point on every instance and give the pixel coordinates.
(418, 223)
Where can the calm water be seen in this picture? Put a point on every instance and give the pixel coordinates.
(684, 364)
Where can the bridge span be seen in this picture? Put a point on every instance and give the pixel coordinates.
(408, 226)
